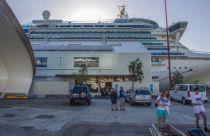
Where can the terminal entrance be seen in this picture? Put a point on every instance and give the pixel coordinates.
(103, 84)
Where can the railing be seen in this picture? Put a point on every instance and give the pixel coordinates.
(164, 54)
(91, 32)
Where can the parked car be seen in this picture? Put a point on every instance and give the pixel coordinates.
(138, 96)
(184, 92)
(80, 93)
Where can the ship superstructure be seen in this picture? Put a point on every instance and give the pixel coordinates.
(125, 29)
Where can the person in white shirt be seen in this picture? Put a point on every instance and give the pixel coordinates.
(199, 109)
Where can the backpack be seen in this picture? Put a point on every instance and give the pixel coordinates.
(195, 132)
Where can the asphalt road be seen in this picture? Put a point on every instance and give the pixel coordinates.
(41, 117)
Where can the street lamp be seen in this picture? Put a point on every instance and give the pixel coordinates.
(168, 46)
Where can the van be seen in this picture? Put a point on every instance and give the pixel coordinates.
(184, 92)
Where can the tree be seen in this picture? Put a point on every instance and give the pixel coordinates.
(135, 71)
(82, 73)
(177, 78)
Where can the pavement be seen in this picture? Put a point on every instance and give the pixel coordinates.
(53, 117)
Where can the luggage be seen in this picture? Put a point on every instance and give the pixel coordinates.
(195, 132)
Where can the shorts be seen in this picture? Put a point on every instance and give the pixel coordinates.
(122, 100)
(114, 101)
(162, 114)
(197, 115)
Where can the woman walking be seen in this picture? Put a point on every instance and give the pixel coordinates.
(163, 103)
(114, 99)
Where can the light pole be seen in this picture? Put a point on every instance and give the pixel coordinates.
(168, 46)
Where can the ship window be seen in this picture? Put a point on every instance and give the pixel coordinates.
(124, 25)
(110, 26)
(99, 26)
(180, 67)
(185, 67)
(174, 67)
(88, 26)
(41, 62)
(76, 25)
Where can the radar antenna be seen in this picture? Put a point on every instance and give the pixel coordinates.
(46, 15)
(122, 12)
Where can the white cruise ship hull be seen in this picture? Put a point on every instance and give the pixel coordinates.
(192, 70)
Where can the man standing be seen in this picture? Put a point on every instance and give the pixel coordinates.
(199, 109)
(122, 99)
(114, 99)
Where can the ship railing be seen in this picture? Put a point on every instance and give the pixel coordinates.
(198, 54)
(203, 52)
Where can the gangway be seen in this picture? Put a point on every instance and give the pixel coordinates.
(165, 130)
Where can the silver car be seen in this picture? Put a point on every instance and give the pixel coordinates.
(138, 96)
(184, 92)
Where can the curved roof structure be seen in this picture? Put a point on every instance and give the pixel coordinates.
(17, 66)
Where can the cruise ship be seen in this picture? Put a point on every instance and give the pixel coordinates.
(193, 65)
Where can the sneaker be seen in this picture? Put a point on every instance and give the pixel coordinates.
(206, 129)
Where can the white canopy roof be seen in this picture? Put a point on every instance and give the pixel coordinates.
(97, 46)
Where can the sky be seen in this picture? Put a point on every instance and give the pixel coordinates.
(195, 12)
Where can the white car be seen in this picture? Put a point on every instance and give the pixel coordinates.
(138, 96)
(184, 92)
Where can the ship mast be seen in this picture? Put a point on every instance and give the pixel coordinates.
(168, 46)
(122, 12)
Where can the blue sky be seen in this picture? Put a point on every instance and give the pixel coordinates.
(196, 12)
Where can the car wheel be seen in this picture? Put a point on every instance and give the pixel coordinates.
(131, 103)
(71, 102)
(88, 102)
(149, 104)
(184, 101)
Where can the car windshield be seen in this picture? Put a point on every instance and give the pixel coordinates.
(182, 87)
(143, 92)
(200, 87)
(80, 89)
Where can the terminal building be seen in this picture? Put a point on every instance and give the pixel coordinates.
(57, 65)
(54, 68)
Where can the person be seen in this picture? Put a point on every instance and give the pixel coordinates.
(199, 109)
(122, 99)
(163, 103)
(114, 99)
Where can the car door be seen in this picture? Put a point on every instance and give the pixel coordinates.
(128, 95)
(202, 91)
(175, 93)
(172, 93)
(132, 96)
(182, 92)
(178, 92)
